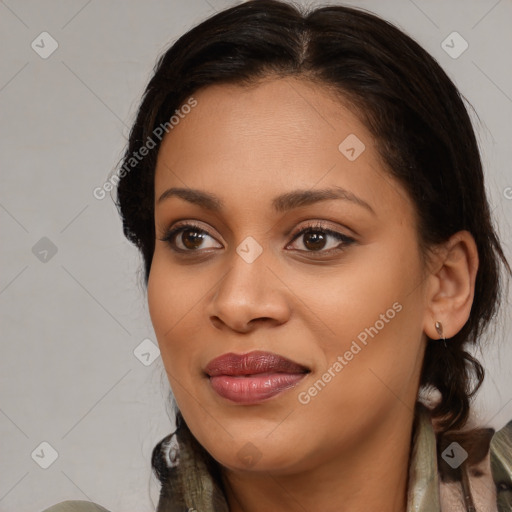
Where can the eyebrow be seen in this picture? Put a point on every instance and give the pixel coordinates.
(282, 203)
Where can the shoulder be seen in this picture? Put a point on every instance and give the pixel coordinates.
(76, 506)
(502, 439)
(501, 465)
(501, 450)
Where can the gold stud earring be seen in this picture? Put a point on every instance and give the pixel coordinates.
(439, 329)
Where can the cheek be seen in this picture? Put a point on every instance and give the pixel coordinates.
(373, 311)
(171, 300)
(167, 309)
(366, 291)
(159, 300)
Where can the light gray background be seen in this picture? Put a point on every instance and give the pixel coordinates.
(68, 374)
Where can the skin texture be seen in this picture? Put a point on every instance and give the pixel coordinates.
(248, 145)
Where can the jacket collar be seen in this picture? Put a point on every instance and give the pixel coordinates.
(190, 484)
(501, 466)
(423, 486)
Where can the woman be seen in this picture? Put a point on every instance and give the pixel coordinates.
(308, 198)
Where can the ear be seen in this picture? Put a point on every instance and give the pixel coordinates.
(451, 285)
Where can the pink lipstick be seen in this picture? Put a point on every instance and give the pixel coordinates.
(253, 377)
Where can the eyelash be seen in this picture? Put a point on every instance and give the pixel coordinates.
(311, 228)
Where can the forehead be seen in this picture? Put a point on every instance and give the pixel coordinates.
(275, 112)
(274, 135)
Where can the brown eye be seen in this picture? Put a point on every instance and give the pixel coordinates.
(318, 239)
(192, 238)
(187, 238)
(314, 240)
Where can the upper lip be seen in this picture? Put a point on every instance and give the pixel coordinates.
(252, 363)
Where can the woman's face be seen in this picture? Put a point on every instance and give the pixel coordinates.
(345, 302)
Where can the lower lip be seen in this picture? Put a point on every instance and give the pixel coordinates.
(254, 388)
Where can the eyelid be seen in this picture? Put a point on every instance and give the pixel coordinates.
(178, 228)
(311, 226)
(321, 225)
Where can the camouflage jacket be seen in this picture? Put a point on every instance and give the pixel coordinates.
(190, 487)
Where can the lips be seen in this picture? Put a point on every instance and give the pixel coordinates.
(253, 377)
(252, 363)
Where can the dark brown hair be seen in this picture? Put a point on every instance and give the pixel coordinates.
(416, 114)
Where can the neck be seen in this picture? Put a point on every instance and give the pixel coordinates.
(373, 476)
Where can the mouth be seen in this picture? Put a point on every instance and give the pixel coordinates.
(253, 377)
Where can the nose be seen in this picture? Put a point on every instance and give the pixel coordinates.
(249, 295)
